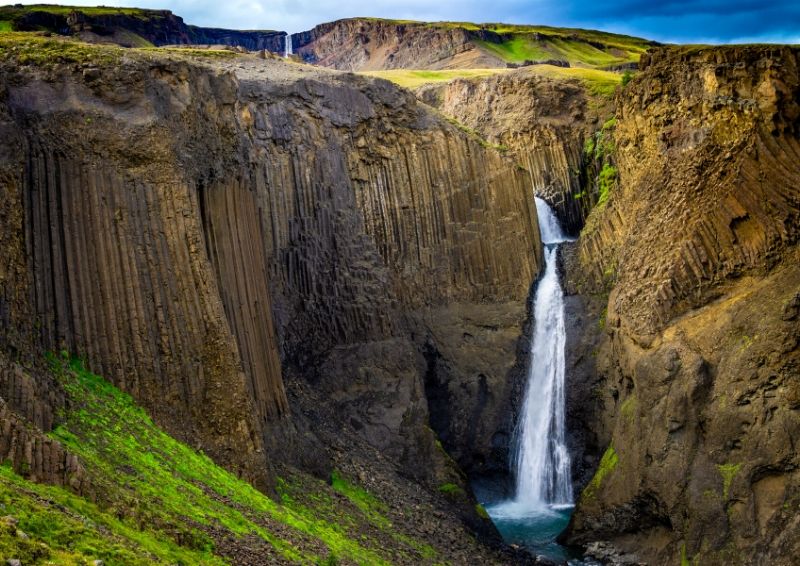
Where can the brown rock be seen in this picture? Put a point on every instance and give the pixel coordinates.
(701, 355)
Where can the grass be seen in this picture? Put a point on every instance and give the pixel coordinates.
(30, 49)
(452, 491)
(598, 82)
(16, 12)
(518, 43)
(608, 463)
(162, 502)
(606, 180)
(728, 472)
(66, 529)
(518, 49)
(412, 79)
(26, 48)
(361, 498)
(208, 53)
(5, 25)
(521, 42)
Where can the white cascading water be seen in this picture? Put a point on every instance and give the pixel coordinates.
(288, 45)
(542, 462)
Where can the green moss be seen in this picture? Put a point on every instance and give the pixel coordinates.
(728, 472)
(361, 498)
(601, 322)
(605, 182)
(452, 490)
(608, 463)
(684, 559)
(65, 528)
(628, 408)
(481, 511)
(161, 499)
(588, 147)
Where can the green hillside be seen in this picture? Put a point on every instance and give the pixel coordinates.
(518, 43)
(159, 501)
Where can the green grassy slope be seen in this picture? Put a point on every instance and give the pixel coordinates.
(587, 48)
(15, 12)
(598, 82)
(159, 501)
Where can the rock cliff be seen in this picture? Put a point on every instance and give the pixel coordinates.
(541, 122)
(364, 44)
(201, 229)
(133, 27)
(697, 384)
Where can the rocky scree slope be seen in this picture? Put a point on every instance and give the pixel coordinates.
(368, 44)
(205, 230)
(132, 27)
(698, 370)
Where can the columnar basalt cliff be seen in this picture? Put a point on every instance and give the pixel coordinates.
(542, 122)
(698, 371)
(156, 230)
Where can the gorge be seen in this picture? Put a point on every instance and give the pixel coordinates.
(257, 311)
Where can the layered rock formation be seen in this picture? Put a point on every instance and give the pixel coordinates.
(364, 44)
(698, 373)
(369, 44)
(131, 27)
(159, 212)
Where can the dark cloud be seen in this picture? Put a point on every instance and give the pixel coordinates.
(693, 21)
(689, 21)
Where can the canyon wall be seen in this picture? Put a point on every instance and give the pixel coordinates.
(195, 229)
(132, 27)
(542, 123)
(697, 385)
(363, 44)
(370, 44)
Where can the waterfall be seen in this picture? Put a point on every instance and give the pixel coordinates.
(288, 45)
(542, 463)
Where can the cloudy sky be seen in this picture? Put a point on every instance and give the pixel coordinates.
(685, 21)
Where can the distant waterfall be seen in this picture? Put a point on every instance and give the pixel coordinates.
(288, 45)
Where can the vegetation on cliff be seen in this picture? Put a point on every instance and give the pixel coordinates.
(129, 27)
(157, 500)
(493, 43)
(598, 82)
(35, 49)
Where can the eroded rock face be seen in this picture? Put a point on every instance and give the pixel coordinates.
(701, 362)
(542, 123)
(362, 44)
(159, 27)
(161, 213)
